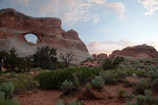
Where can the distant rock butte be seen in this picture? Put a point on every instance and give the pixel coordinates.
(136, 52)
(102, 56)
(15, 25)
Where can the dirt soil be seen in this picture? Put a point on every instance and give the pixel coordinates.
(108, 96)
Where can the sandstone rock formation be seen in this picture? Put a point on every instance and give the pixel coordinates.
(114, 53)
(136, 52)
(102, 56)
(15, 25)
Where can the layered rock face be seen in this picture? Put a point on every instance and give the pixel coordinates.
(136, 52)
(102, 56)
(15, 25)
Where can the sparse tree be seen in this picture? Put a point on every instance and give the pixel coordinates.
(3, 55)
(67, 58)
(45, 57)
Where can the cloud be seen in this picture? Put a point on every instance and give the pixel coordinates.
(93, 44)
(150, 5)
(108, 47)
(117, 8)
(98, 1)
(69, 11)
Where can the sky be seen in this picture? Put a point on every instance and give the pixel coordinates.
(103, 25)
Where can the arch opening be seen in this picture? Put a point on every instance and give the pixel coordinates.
(31, 38)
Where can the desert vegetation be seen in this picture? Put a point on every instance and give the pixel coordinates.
(132, 81)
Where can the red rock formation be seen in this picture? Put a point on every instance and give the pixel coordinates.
(15, 25)
(71, 34)
(140, 51)
(94, 55)
(114, 53)
(102, 56)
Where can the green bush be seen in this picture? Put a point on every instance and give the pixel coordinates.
(54, 79)
(7, 101)
(88, 87)
(74, 102)
(98, 82)
(122, 80)
(7, 88)
(108, 76)
(67, 87)
(129, 71)
(76, 81)
(121, 74)
(24, 83)
(60, 102)
(13, 75)
(139, 72)
(121, 92)
(155, 84)
(152, 74)
(141, 86)
(128, 97)
(145, 100)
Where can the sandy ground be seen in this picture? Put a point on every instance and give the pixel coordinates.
(108, 96)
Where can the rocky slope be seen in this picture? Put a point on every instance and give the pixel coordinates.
(15, 25)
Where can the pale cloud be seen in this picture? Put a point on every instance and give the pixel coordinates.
(98, 1)
(117, 8)
(93, 44)
(150, 5)
(108, 47)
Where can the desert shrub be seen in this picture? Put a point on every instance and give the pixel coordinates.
(60, 102)
(89, 79)
(141, 86)
(67, 87)
(7, 88)
(7, 101)
(121, 74)
(121, 92)
(145, 100)
(128, 97)
(76, 81)
(139, 72)
(152, 74)
(130, 71)
(24, 83)
(108, 76)
(54, 79)
(122, 80)
(36, 69)
(61, 65)
(98, 82)
(88, 87)
(13, 75)
(74, 102)
(83, 73)
(155, 84)
(3, 80)
(152, 67)
(121, 66)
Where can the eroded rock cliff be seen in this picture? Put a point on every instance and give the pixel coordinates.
(15, 25)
